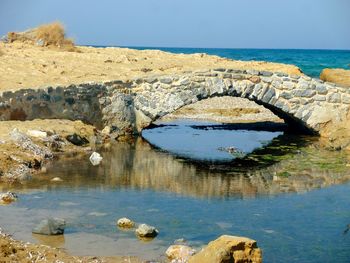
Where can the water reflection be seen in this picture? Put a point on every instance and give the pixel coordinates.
(137, 165)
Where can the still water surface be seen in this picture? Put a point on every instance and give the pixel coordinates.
(290, 195)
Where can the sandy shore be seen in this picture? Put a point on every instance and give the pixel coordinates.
(27, 66)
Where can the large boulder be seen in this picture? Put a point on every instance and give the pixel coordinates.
(336, 75)
(229, 249)
(50, 226)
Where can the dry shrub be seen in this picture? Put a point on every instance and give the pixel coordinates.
(1, 53)
(50, 34)
(53, 35)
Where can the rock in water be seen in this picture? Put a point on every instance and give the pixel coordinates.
(146, 231)
(95, 158)
(77, 140)
(50, 226)
(229, 249)
(179, 253)
(8, 198)
(125, 223)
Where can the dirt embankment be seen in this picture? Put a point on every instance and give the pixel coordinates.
(337, 76)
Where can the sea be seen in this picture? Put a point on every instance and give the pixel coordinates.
(310, 61)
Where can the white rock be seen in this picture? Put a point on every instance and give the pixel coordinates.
(37, 134)
(179, 253)
(125, 223)
(95, 158)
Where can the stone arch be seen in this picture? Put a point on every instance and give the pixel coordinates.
(303, 102)
(130, 106)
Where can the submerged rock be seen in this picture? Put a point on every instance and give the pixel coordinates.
(145, 230)
(179, 253)
(125, 223)
(56, 179)
(50, 226)
(232, 150)
(77, 140)
(95, 158)
(8, 198)
(229, 249)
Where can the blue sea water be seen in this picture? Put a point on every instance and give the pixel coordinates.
(311, 62)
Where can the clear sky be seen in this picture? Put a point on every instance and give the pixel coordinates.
(315, 24)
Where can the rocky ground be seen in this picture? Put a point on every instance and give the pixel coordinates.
(338, 76)
(26, 146)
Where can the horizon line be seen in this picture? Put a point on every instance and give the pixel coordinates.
(249, 48)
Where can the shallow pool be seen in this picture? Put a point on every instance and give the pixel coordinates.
(291, 196)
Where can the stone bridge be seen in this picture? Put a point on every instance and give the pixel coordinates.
(303, 102)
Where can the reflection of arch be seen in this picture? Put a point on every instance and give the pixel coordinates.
(139, 166)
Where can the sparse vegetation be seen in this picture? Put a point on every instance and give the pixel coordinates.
(49, 35)
(1, 53)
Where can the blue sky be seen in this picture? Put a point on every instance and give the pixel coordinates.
(315, 24)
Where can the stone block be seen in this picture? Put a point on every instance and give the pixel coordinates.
(334, 98)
